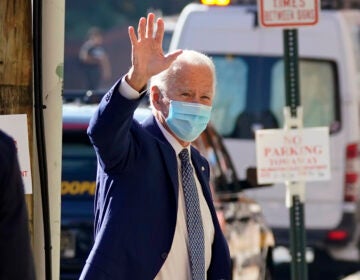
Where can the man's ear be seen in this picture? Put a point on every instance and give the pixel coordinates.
(155, 96)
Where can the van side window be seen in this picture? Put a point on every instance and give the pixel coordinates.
(355, 32)
(250, 94)
(355, 37)
(318, 93)
(231, 88)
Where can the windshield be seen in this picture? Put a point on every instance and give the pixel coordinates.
(251, 94)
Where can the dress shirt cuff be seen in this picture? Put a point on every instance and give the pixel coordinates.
(127, 91)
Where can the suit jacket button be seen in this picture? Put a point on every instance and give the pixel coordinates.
(108, 96)
(164, 256)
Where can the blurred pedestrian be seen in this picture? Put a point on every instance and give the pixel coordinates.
(16, 259)
(154, 215)
(94, 60)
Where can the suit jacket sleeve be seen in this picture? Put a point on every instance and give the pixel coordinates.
(110, 130)
(15, 250)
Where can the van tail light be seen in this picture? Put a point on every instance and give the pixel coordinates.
(337, 235)
(344, 232)
(351, 173)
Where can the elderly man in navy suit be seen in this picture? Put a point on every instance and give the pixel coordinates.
(16, 259)
(154, 216)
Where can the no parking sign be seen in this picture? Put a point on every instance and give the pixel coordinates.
(292, 155)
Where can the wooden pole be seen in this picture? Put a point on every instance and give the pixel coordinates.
(16, 69)
(16, 97)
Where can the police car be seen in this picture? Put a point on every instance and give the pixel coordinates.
(250, 240)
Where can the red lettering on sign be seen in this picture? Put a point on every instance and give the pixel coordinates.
(288, 3)
(292, 151)
(295, 140)
(306, 15)
(279, 15)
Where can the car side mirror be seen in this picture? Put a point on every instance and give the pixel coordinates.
(229, 191)
(251, 181)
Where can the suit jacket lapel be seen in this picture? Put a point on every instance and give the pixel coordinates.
(170, 159)
(202, 172)
(168, 154)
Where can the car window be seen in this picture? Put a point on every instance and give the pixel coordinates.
(79, 162)
(250, 94)
(78, 177)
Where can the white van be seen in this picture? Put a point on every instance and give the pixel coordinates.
(251, 95)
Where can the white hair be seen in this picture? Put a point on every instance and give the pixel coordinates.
(190, 57)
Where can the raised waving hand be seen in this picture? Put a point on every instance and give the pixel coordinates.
(148, 58)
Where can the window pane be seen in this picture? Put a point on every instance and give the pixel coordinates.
(277, 101)
(250, 94)
(317, 86)
(317, 93)
(232, 74)
(79, 162)
(356, 46)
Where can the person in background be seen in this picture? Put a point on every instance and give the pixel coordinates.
(154, 215)
(94, 60)
(16, 259)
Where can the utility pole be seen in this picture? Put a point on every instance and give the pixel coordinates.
(16, 69)
(24, 76)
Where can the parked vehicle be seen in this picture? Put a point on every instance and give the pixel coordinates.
(251, 95)
(250, 239)
(77, 190)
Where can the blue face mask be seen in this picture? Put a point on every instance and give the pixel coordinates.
(188, 120)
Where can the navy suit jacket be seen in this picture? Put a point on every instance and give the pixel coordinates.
(16, 258)
(137, 195)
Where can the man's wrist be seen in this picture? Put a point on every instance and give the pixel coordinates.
(126, 90)
(137, 82)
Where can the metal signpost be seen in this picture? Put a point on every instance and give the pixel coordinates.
(290, 15)
(295, 190)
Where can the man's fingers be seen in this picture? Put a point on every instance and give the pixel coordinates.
(132, 35)
(141, 28)
(159, 31)
(150, 25)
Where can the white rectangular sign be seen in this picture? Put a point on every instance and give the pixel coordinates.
(292, 155)
(288, 13)
(16, 127)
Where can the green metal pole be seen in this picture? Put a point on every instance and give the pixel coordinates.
(297, 229)
(291, 63)
(297, 240)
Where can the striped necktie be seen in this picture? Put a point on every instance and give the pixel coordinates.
(194, 223)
